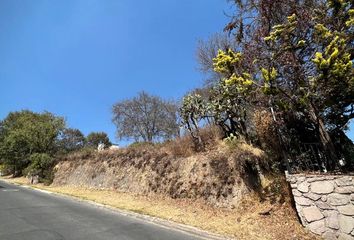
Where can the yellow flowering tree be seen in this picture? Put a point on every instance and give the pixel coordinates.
(310, 69)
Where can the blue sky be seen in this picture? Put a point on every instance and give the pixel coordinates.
(76, 58)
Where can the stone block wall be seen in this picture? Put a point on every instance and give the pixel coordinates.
(325, 204)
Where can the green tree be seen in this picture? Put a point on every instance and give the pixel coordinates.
(70, 140)
(95, 138)
(25, 133)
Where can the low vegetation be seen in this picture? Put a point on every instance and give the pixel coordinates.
(281, 80)
(31, 143)
(250, 220)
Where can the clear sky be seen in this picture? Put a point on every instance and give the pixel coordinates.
(76, 58)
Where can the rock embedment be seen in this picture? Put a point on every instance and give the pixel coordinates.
(325, 204)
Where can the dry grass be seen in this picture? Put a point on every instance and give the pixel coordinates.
(244, 222)
(184, 146)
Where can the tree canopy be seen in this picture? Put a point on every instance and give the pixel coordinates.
(145, 117)
(95, 138)
(26, 133)
(292, 57)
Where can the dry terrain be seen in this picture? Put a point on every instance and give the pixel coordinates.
(251, 220)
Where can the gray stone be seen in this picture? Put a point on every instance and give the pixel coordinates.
(323, 205)
(346, 224)
(317, 227)
(322, 187)
(303, 187)
(344, 181)
(352, 233)
(293, 185)
(352, 197)
(291, 179)
(324, 198)
(300, 179)
(312, 196)
(345, 189)
(303, 201)
(330, 235)
(333, 221)
(337, 199)
(347, 210)
(344, 236)
(296, 193)
(315, 179)
(312, 214)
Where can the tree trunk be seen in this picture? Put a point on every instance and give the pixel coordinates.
(325, 138)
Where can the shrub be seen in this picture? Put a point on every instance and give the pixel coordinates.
(40, 164)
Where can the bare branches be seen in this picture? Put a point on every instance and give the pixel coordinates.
(145, 117)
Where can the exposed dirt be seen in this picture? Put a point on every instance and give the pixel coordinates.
(213, 177)
(220, 190)
(252, 219)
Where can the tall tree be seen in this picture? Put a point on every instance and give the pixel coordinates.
(25, 133)
(145, 117)
(302, 53)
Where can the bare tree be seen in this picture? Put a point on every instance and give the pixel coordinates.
(207, 50)
(145, 117)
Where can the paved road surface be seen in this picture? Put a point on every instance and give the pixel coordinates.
(26, 214)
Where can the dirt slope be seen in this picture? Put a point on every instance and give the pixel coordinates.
(213, 176)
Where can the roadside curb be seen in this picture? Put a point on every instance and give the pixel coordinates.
(194, 231)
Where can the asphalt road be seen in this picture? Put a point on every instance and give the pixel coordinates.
(27, 214)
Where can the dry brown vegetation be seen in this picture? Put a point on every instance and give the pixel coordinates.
(252, 219)
(219, 190)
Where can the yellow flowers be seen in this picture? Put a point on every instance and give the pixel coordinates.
(292, 18)
(301, 43)
(334, 59)
(322, 31)
(244, 80)
(227, 63)
(224, 61)
(269, 75)
(278, 30)
(320, 61)
(350, 21)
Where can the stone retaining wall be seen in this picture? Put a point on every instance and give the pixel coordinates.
(325, 204)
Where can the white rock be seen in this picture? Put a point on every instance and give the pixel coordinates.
(330, 235)
(312, 196)
(322, 187)
(346, 224)
(347, 210)
(303, 201)
(337, 199)
(312, 214)
(344, 181)
(345, 189)
(300, 179)
(344, 236)
(323, 205)
(303, 187)
(317, 227)
(296, 193)
(332, 221)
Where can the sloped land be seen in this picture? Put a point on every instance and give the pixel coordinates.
(220, 190)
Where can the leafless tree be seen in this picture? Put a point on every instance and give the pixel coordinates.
(146, 117)
(207, 50)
